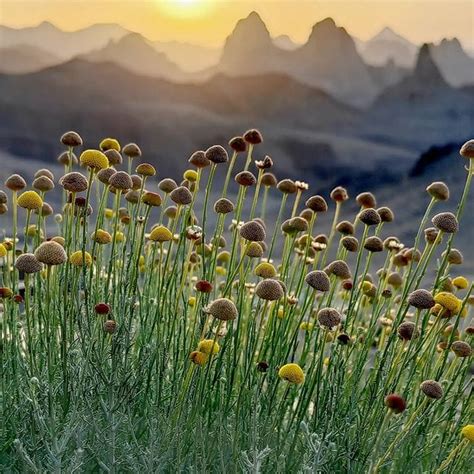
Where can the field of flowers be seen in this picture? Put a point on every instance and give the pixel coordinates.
(138, 334)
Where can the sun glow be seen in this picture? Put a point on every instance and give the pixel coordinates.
(185, 8)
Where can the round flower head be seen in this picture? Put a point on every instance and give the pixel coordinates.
(329, 318)
(431, 234)
(198, 357)
(340, 269)
(104, 175)
(132, 196)
(43, 184)
(245, 178)
(287, 186)
(190, 175)
(181, 196)
(223, 309)
(110, 326)
(30, 200)
(373, 244)
(28, 263)
(5, 292)
(292, 373)
(345, 228)
(132, 150)
(254, 250)
(468, 430)
(421, 299)
(71, 139)
(269, 290)
(253, 136)
(318, 280)
(15, 183)
(46, 210)
(369, 217)
(151, 199)
(386, 214)
(74, 182)
(265, 270)
(467, 150)
(432, 389)
(121, 181)
(461, 349)
(94, 159)
(238, 144)
(217, 154)
(167, 185)
(80, 259)
(339, 194)
(350, 243)
(51, 253)
(455, 257)
(438, 190)
(446, 222)
(253, 231)
(307, 214)
(204, 286)
(296, 224)
(407, 331)
(366, 200)
(199, 159)
(208, 346)
(160, 233)
(67, 159)
(109, 144)
(3, 197)
(269, 180)
(461, 283)
(448, 301)
(396, 403)
(44, 172)
(102, 237)
(264, 164)
(102, 308)
(263, 366)
(3, 251)
(223, 206)
(145, 169)
(114, 157)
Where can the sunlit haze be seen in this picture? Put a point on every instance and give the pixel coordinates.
(210, 21)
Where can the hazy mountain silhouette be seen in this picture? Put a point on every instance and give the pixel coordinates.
(24, 58)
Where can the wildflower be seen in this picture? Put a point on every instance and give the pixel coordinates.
(350, 243)
(245, 178)
(253, 231)
(340, 269)
(102, 308)
(151, 199)
(421, 299)
(265, 270)
(121, 180)
(468, 430)
(145, 169)
(373, 244)
(432, 389)
(80, 259)
(217, 154)
(30, 200)
(160, 233)
(132, 150)
(181, 196)
(292, 373)
(67, 158)
(386, 214)
(366, 200)
(5, 292)
(395, 280)
(467, 150)
(238, 144)
(167, 185)
(74, 182)
(253, 136)
(223, 206)
(306, 326)
(254, 250)
(369, 217)
(110, 326)
(446, 222)
(3, 197)
(407, 331)
(455, 257)
(269, 290)
(208, 346)
(114, 157)
(461, 283)
(262, 366)
(223, 309)
(94, 159)
(318, 280)
(3, 251)
(71, 139)
(339, 194)
(287, 186)
(448, 301)
(51, 253)
(104, 175)
(15, 183)
(396, 403)
(3, 209)
(344, 339)
(438, 190)
(109, 144)
(43, 184)
(269, 180)
(345, 228)
(461, 348)
(198, 358)
(264, 164)
(329, 318)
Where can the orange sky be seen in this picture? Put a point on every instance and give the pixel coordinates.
(209, 21)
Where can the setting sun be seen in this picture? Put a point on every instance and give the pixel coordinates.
(185, 8)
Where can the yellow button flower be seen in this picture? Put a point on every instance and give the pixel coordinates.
(208, 346)
(80, 259)
(198, 358)
(468, 432)
(160, 233)
(3, 251)
(448, 301)
(461, 283)
(109, 144)
(30, 200)
(94, 159)
(292, 373)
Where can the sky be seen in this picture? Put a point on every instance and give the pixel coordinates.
(208, 22)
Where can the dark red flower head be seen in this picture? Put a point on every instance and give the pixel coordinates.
(102, 308)
(204, 286)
